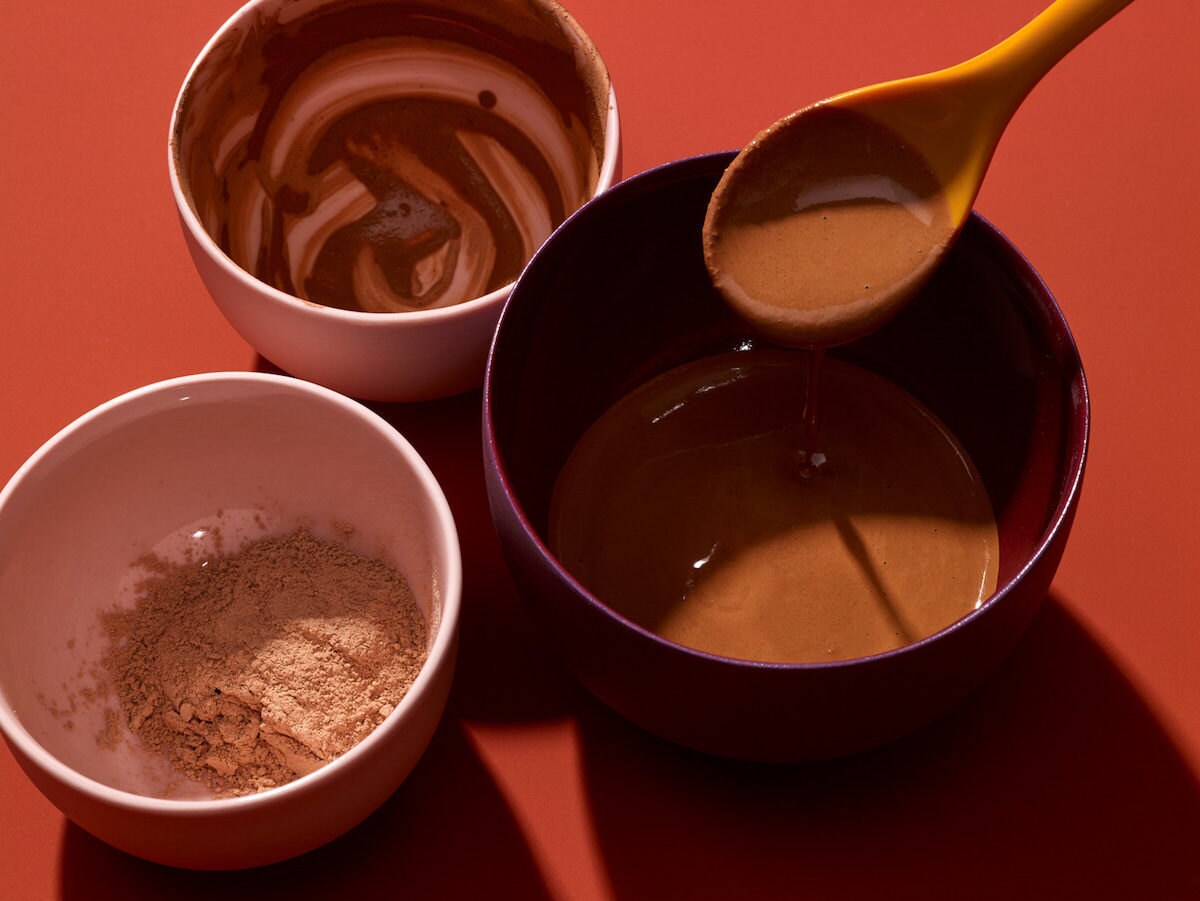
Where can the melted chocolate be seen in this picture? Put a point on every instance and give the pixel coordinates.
(689, 508)
(834, 225)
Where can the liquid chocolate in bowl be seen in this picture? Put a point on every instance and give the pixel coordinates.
(685, 507)
(389, 157)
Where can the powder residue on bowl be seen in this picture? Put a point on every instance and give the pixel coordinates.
(250, 669)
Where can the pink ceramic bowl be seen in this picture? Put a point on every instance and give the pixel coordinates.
(258, 455)
(256, 193)
(619, 294)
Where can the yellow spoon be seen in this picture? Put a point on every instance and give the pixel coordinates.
(831, 219)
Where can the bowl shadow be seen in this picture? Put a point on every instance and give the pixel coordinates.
(1054, 779)
(447, 832)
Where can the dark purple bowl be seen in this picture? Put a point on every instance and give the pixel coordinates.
(619, 294)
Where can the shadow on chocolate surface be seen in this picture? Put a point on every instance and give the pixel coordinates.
(1054, 778)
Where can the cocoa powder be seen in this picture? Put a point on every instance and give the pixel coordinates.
(248, 670)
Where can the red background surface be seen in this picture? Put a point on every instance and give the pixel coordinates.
(1072, 772)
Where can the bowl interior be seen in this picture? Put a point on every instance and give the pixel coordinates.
(171, 469)
(621, 294)
(394, 156)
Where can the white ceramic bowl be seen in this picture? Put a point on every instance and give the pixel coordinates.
(227, 108)
(137, 474)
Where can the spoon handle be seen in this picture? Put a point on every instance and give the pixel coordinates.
(957, 115)
(1010, 70)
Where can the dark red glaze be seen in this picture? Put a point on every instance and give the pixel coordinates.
(620, 293)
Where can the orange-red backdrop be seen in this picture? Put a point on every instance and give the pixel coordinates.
(1072, 772)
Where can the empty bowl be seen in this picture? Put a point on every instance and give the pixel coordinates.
(619, 295)
(167, 470)
(360, 182)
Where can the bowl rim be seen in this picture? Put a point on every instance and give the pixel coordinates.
(440, 652)
(1042, 302)
(606, 177)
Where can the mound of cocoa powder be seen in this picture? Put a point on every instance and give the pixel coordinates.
(248, 670)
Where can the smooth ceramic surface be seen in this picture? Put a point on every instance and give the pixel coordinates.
(406, 356)
(258, 455)
(620, 294)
